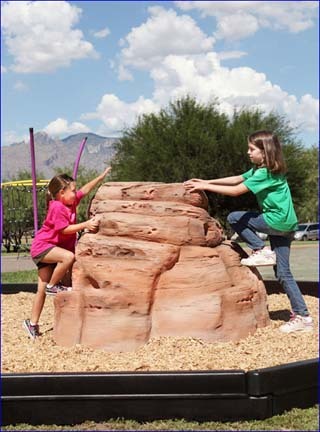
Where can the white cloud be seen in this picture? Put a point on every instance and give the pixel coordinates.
(12, 137)
(3, 69)
(180, 59)
(101, 34)
(116, 114)
(124, 74)
(240, 19)
(305, 112)
(60, 127)
(204, 78)
(236, 26)
(162, 34)
(40, 35)
(20, 86)
(227, 55)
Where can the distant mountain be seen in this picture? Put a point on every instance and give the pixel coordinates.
(53, 153)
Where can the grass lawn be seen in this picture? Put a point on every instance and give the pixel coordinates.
(25, 276)
(294, 420)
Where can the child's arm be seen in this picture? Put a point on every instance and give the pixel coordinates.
(231, 181)
(231, 190)
(93, 183)
(91, 225)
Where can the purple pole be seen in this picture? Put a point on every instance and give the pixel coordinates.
(76, 165)
(1, 216)
(34, 182)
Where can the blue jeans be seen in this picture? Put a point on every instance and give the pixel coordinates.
(245, 224)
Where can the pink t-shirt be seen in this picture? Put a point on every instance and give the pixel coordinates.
(58, 217)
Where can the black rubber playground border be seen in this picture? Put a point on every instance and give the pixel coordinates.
(272, 286)
(72, 398)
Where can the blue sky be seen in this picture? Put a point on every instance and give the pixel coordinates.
(69, 67)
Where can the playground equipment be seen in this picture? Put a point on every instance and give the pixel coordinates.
(20, 211)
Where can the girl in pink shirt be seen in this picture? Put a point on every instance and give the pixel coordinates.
(53, 247)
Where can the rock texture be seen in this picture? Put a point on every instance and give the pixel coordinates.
(158, 266)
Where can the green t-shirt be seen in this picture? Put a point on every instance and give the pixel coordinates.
(274, 198)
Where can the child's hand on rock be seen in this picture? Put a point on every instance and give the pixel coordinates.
(92, 225)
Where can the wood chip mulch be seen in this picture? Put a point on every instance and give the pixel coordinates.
(267, 347)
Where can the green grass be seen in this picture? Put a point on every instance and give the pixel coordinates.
(294, 420)
(25, 276)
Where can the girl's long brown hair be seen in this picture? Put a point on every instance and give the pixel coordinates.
(270, 145)
(56, 184)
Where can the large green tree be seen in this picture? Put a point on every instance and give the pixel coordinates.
(188, 139)
(172, 145)
(307, 206)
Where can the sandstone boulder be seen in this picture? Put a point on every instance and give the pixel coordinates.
(158, 266)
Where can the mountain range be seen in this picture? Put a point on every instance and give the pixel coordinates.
(53, 153)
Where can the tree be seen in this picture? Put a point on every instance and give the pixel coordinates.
(188, 139)
(171, 146)
(307, 206)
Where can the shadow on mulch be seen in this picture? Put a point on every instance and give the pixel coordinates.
(280, 315)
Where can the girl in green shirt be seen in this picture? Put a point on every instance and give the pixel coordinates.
(277, 217)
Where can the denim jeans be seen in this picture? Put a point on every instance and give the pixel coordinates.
(245, 224)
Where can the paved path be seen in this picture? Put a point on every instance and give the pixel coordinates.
(13, 263)
(304, 262)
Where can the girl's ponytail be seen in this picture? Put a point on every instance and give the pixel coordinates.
(48, 199)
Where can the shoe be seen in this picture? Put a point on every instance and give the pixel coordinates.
(64, 288)
(297, 323)
(32, 330)
(55, 289)
(262, 257)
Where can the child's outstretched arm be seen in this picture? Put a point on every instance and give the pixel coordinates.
(93, 183)
(91, 225)
(231, 190)
(228, 181)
